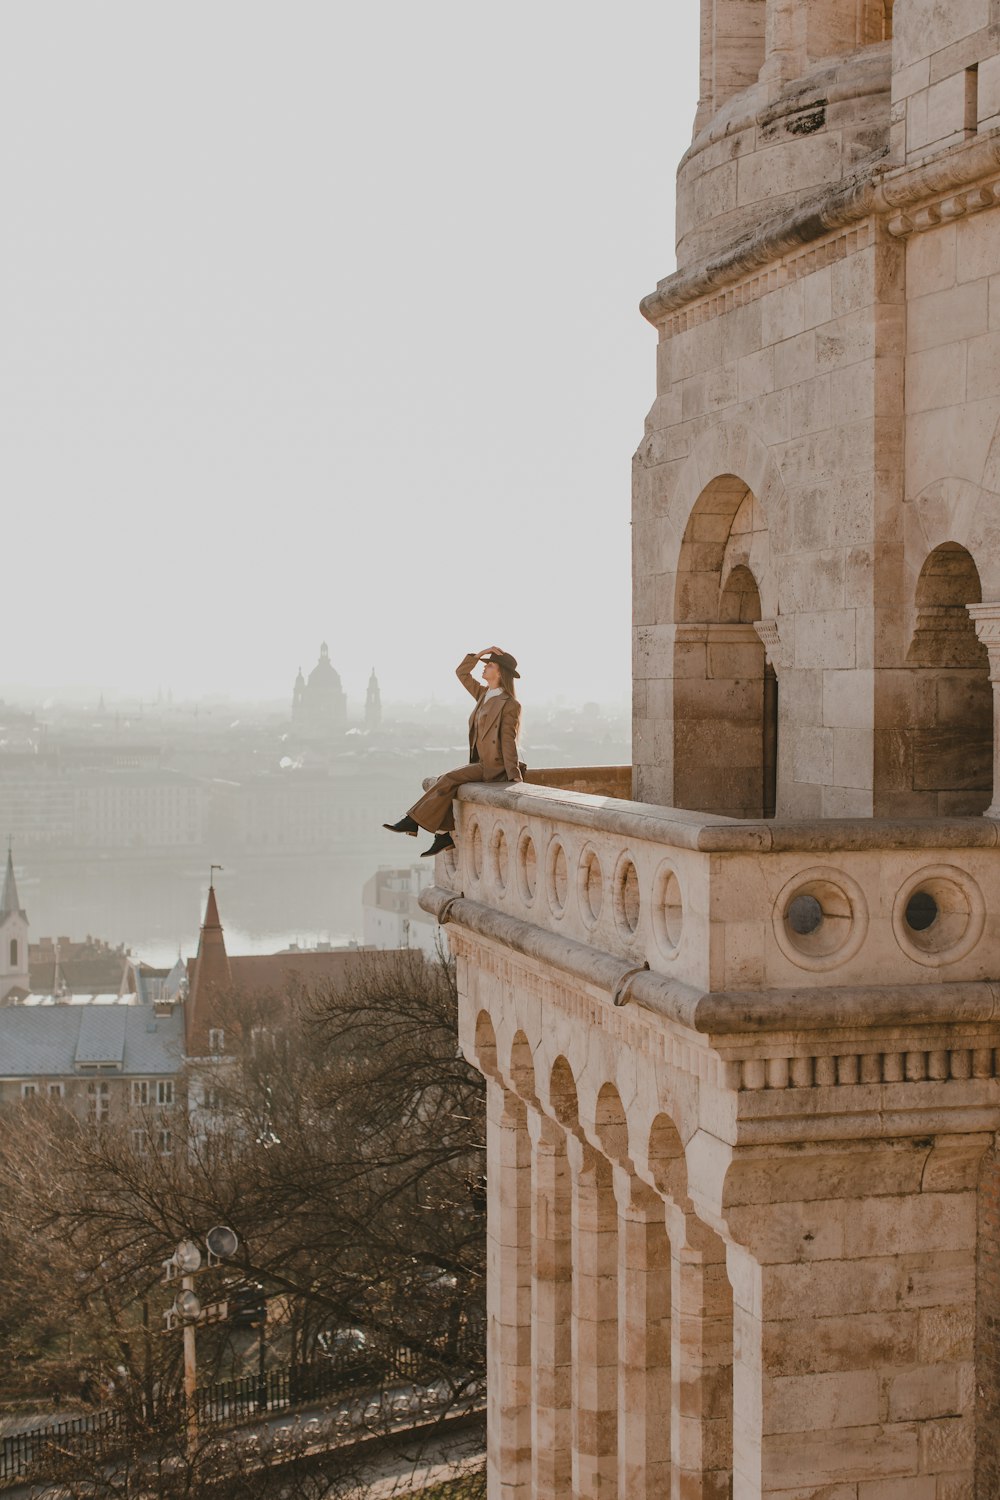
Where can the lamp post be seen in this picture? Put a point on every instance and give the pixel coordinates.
(186, 1262)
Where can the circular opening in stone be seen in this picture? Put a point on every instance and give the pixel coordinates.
(591, 886)
(804, 915)
(818, 919)
(668, 910)
(476, 851)
(627, 896)
(921, 911)
(939, 916)
(501, 858)
(557, 881)
(527, 867)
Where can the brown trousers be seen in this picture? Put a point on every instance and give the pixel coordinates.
(435, 811)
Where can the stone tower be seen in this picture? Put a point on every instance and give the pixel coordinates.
(741, 1034)
(14, 976)
(373, 703)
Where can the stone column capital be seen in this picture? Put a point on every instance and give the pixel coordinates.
(986, 618)
(769, 635)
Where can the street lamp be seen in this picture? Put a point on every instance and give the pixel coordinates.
(222, 1244)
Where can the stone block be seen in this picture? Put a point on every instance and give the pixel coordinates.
(825, 638)
(916, 1395)
(931, 261)
(944, 317)
(815, 1402)
(943, 1221)
(977, 254)
(936, 378)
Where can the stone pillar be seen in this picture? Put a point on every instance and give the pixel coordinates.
(643, 1341)
(853, 1328)
(701, 1364)
(986, 618)
(551, 1312)
(508, 1299)
(595, 1325)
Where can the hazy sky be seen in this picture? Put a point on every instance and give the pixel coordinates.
(320, 320)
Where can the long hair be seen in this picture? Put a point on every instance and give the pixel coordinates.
(507, 683)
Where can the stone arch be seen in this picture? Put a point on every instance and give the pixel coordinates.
(563, 1098)
(665, 1160)
(611, 1125)
(725, 702)
(485, 1045)
(730, 448)
(950, 738)
(952, 511)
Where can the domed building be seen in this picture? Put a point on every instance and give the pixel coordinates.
(319, 705)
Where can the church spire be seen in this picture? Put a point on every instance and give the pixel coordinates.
(212, 977)
(10, 902)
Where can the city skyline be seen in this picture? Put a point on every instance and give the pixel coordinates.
(253, 429)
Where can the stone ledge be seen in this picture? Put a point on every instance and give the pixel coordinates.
(708, 834)
(887, 192)
(854, 1009)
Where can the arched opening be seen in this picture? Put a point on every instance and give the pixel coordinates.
(611, 1125)
(949, 764)
(13, 953)
(725, 695)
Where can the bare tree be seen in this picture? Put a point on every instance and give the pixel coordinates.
(343, 1140)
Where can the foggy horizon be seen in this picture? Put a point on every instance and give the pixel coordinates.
(312, 317)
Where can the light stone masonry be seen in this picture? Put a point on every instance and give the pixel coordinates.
(741, 1034)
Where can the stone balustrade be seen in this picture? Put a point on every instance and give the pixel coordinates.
(723, 906)
(743, 1083)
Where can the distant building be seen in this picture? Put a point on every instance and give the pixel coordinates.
(105, 1062)
(14, 964)
(373, 704)
(59, 966)
(213, 975)
(319, 705)
(392, 914)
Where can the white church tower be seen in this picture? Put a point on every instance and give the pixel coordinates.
(14, 981)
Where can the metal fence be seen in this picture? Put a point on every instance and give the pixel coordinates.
(352, 1377)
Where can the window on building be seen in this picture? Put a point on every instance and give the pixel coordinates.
(56, 1090)
(140, 1092)
(165, 1142)
(98, 1103)
(13, 953)
(213, 1099)
(140, 1142)
(28, 1090)
(165, 1091)
(216, 1039)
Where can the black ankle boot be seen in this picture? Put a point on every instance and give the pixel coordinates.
(441, 842)
(405, 825)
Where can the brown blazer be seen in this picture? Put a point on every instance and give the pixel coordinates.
(492, 733)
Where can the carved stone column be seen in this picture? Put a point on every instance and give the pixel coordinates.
(643, 1341)
(986, 618)
(595, 1325)
(701, 1318)
(508, 1292)
(551, 1312)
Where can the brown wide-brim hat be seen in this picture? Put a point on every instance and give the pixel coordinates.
(505, 660)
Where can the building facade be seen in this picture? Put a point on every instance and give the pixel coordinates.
(393, 916)
(319, 704)
(740, 1033)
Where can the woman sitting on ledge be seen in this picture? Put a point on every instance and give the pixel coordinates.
(493, 752)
